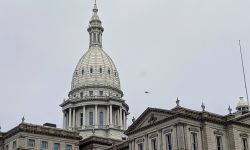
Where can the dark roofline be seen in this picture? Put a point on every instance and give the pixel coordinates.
(42, 130)
(99, 140)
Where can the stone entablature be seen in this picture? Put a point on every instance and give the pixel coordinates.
(42, 130)
(30, 136)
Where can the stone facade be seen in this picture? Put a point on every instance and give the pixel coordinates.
(30, 136)
(184, 129)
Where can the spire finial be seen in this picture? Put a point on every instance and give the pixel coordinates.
(133, 119)
(203, 106)
(23, 119)
(95, 7)
(177, 102)
(230, 110)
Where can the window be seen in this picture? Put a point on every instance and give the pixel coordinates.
(81, 94)
(91, 70)
(140, 146)
(76, 72)
(68, 147)
(94, 37)
(7, 147)
(81, 119)
(31, 143)
(91, 93)
(56, 146)
(153, 144)
(101, 118)
(194, 141)
(14, 145)
(219, 143)
(101, 93)
(100, 70)
(82, 71)
(168, 142)
(44, 145)
(91, 119)
(244, 144)
(108, 71)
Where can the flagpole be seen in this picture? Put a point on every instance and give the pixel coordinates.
(244, 74)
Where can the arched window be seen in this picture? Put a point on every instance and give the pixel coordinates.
(91, 119)
(91, 70)
(101, 118)
(81, 94)
(81, 119)
(94, 37)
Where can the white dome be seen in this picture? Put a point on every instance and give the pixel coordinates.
(95, 69)
(242, 103)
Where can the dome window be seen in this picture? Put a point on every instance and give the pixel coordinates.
(91, 93)
(101, 93)
(81, 94)
(91, 70)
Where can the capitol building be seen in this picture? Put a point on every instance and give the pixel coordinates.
(95, 116)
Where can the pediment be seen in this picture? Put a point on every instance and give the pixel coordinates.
(246, 120)
(150, 116)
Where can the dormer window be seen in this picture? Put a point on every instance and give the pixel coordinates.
(91, 93)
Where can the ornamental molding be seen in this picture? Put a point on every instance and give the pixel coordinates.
(244, 135)
(140, 140)
(218, 132)
(153, 135)
(42, 130)
(95, 86)
(167, 131)
(192, 129)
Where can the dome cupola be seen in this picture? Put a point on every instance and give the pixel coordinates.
(242, 105)
(95, 69)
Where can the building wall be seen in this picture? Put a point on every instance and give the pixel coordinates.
(181, 131)
(22, 141)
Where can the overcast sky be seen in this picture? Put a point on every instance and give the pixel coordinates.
(172, 48)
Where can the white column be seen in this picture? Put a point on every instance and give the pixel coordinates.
(96, 120)
(110, 116)
(74, 118)
(107, 116)
(64, 119)
(124, 120)
(83, 117)
(70, 121)
(120, 117)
